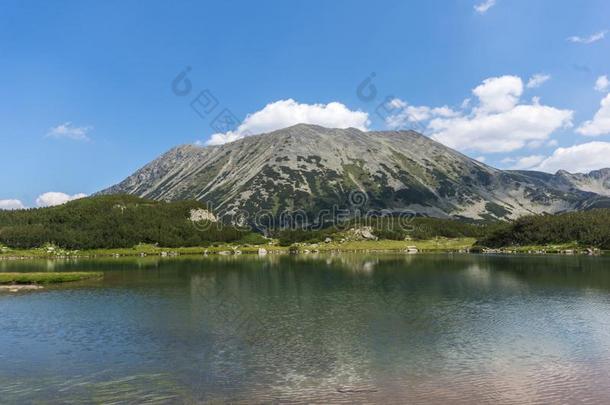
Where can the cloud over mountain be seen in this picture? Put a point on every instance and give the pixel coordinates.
(11, 204)
(53, 198)
(578, 159)
(284, 113)
(499, 122)
(600, 124)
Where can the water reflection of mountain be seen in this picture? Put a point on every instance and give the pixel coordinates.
(291, 327)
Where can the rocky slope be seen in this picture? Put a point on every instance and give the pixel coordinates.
(311, 168)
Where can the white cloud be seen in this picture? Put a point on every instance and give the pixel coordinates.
(444, 111)
(602, 83)
(525, 162)
(284, 113)
(69, 131)
(600, 124)
(481, 159)
(540, 143)
(537, 80)
(54, 198)
(499, 123)
(11, 205)
(503, 132)
(578, 159)
(498, 94)
(482, 8)
(535, 144)
(407, 115)
(598, 36)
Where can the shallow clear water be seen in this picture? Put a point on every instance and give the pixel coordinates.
(328, 329)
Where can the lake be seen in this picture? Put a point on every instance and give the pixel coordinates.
(349, 328)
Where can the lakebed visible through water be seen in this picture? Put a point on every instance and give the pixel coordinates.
(344, 328)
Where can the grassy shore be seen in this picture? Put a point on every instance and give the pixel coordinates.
(437, 245)
(433, 245)
(556, 248)
(46, 278)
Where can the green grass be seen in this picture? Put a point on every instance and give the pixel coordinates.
(46, 278)
(550, 248)
(432, 245)
(438, 245)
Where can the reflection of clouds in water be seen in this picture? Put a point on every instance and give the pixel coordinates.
(550, 380)
(325, 353)
(360, 263)
(354, 264)
(350, 374)
(594, 312)
(381, 328)
(369, 266)
(487, 277)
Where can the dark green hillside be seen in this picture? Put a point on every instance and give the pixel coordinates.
(123, 221)
(115, 221)
(391, 228)
(587, 228)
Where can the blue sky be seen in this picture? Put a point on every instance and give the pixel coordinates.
(87, 86)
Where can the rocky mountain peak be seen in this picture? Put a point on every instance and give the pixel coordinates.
(311, 168)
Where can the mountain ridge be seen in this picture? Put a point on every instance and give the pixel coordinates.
(310, 168)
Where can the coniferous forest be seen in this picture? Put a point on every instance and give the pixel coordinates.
(587, 228)
(112, 222)
(123, 221)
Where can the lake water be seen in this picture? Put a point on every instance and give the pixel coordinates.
(327, 329)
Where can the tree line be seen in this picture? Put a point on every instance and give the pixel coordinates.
(123, 221)
(113, 222)
(587, 228)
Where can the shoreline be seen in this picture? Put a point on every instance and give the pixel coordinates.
(439, 245)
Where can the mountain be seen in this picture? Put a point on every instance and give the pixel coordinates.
(312, 168)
